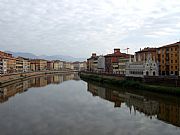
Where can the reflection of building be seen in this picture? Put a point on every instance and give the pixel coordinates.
(166, 111)
(41, 81)
(105, 94)
(169, 113)
(12, 90)
(68, 77)
(57, 79)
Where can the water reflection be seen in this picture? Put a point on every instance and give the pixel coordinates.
(12, 90)
(164, 108)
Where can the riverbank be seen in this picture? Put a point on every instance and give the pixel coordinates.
(8, 79)
(122, 82)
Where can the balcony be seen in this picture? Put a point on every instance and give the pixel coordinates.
(167, 62)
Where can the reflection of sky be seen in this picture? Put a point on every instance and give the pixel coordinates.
(57, 26)
(68, 109)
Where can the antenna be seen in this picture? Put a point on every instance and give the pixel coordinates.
(127, 49)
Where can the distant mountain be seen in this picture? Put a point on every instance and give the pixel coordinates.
(53, 57)
(61, 57)
(22, 54)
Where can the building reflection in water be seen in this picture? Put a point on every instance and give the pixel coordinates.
(160, 108)
(12, 90)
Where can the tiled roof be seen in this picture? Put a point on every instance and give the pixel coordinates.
(171, 45)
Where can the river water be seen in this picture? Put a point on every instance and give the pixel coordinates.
(67, 105)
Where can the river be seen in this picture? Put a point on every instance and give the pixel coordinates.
(63, 104)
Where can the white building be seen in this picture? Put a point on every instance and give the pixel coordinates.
(142, 68)
(3, 66)
(101, 63)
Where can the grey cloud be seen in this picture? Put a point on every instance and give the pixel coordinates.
(80, 27)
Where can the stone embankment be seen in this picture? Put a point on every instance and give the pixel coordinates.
(137, 84)
(8, 79)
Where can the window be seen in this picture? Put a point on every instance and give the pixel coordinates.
(171, 61)
(176, 72)
(175, 61)
(176, 67)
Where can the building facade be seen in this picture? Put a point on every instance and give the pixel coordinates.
(80, 66)
(92, 63)
(3, 66)
(142, 68)
(101, 63)
(38, 64)
(142, 55)
(115, 62)
(168, 57)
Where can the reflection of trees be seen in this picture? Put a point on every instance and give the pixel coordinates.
(163, 110)
(12, 90)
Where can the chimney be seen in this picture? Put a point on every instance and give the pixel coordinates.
(93, 55)
(116, 51)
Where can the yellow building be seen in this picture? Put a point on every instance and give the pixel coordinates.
(168, 57)
(38, 64)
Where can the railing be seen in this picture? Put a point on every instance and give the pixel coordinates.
(104, 73)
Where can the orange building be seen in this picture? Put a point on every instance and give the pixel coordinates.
(143, 54)
(11, 61)
(168, 57)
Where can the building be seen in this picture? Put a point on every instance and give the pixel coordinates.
(92, 63)
(26, 64)
(142, 55)
(38, 64)
(3, 66)
(9, 63)
(113, 62)
(168, 57)
(58, 65)
(50, 65)
(101, 63)
(142, 68)
(68, 66)
(22, 64)
(80, 66)
(19, 64)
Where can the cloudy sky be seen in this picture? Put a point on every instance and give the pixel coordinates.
(80, 27)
